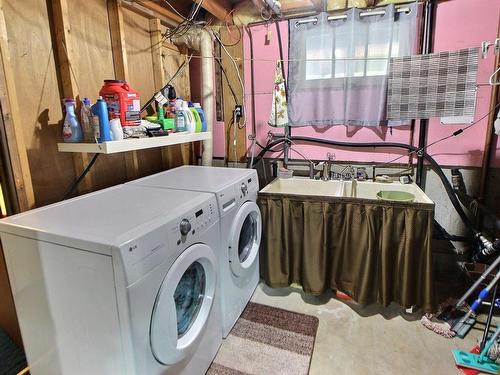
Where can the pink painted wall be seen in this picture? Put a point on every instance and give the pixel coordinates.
(459, 24)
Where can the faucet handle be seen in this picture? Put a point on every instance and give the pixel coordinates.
(330, 156)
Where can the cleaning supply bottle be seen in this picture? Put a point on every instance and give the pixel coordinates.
(72, 132)
(123, 102)
(203, 120)
(180, 118)
(190, 122)
(100, 109)
(196, 117)
(86, 121)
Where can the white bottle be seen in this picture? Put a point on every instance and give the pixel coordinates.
(190, 121)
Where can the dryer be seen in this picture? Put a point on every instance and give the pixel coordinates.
(121, 281)
(240, 227)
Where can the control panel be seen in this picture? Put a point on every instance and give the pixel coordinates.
(193, 223)
(233, 196)
(166, 239)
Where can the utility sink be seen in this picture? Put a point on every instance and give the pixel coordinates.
(347, 189)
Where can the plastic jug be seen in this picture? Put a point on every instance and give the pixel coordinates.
(190, 121)
(196, 117)
(100, 109)
(123, 102)
(72, 132)
(203, 119)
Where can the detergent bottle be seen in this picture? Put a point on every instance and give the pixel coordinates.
(203, 120)
(72, 132)
(123, 102)
(190, 121)
(100, 109)
(196, 117)
(180, 118)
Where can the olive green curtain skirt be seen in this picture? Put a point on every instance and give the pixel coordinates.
(372, 251)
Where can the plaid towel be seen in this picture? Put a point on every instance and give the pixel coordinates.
(434, 85)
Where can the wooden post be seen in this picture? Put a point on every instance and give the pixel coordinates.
(159, 75)
(119, 51)
(236, 51)
(64, 50)
(12, 122)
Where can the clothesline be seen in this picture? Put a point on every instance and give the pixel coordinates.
(296, 60)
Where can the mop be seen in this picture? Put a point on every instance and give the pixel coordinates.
(480, 362)
(445, 318)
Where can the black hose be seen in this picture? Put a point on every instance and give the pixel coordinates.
(434, 165)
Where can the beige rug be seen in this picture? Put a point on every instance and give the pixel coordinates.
(267, 340)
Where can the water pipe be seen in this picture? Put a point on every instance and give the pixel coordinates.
(200, 40)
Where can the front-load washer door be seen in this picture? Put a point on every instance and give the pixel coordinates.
(183, 303)
(244, 238)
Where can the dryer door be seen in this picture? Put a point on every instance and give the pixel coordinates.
(244, 238)
(183, 305)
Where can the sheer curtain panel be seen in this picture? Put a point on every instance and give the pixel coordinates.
(338, 66)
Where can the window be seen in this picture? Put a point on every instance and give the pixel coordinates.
(337, 73)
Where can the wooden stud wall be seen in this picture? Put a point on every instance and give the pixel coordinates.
(236, 52)
(56, 48)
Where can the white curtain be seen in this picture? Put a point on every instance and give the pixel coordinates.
(338, 67)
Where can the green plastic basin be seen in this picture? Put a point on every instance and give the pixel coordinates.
(398, 196)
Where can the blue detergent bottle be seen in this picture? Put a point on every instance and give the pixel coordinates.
(72, 132)
(202, 116)
(100, 109)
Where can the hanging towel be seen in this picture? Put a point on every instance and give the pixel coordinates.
(279, 111)
(434, 85)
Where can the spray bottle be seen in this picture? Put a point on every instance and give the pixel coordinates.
(72, 132)
(86, 121)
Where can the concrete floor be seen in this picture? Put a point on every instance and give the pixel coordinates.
(371, 340)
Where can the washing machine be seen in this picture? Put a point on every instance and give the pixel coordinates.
(240, 227)
(121, 281)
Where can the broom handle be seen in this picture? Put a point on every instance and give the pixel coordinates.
(486, 349)
(474, 286)
(482, 295)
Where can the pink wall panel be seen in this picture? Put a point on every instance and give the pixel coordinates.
(459, 24)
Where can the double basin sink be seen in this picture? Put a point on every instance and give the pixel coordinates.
(346, 189)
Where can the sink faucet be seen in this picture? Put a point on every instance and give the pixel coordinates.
(343, 175)
(328, 166)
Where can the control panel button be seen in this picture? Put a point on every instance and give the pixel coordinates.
(244, 188)
(185, 227)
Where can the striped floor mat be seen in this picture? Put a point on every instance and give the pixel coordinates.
(267, 340)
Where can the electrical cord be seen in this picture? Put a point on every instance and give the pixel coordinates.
(454, 134)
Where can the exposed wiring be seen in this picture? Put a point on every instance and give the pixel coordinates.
(244, 115)
(176, 74)
(454, 134)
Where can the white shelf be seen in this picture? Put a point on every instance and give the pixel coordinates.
(133, 144)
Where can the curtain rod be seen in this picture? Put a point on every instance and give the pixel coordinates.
(344, 16)
(312, 14)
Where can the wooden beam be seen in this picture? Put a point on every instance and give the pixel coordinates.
(218, 8)
(62, 28)
(13, 124)
(141, 10)
(166, 12)
(119, 52)
(236, 51)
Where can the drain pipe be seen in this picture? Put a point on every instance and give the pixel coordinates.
(200, 40)
(427, 36)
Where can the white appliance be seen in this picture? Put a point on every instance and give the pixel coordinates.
(240, 227)
(121, 281)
